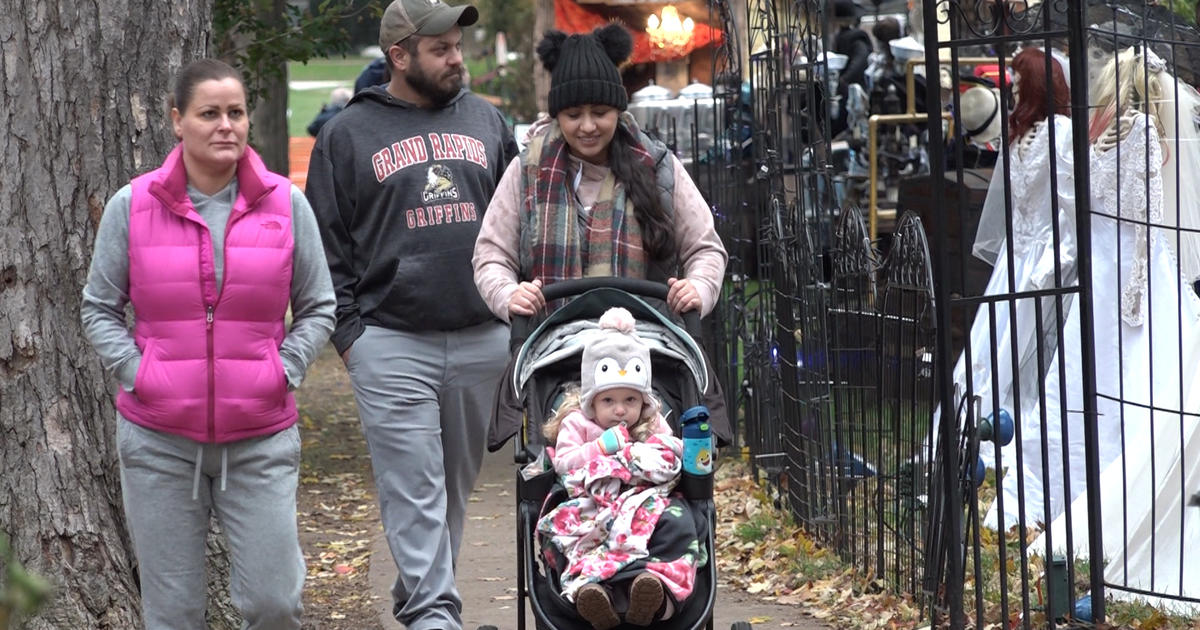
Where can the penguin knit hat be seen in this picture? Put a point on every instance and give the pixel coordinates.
(616, 357)
(583, 67)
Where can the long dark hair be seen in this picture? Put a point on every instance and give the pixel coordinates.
(1034, 105)
(641, 191)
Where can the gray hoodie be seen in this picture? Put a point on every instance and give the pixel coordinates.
(399, 192)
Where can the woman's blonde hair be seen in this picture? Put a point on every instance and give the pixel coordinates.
(1129, 81)
(572, 401)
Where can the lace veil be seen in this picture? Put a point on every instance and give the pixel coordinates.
(1180, 115)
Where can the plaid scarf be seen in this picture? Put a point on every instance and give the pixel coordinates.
(551, 247)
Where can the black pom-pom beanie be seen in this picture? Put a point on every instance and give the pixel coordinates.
(585, 75)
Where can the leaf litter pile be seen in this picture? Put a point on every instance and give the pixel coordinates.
(760, 550)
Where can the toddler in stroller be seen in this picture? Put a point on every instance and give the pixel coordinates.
(619, 532)
(653, 588)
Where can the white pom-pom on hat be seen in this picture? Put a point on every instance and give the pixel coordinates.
(617, 318)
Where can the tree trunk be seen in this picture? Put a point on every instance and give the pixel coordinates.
(269, 124)
(268, 121)
(83, 98)
(543, 20)
(220, 613)
(269, 84)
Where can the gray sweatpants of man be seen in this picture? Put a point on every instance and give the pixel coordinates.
(168, 500)
(425, 400)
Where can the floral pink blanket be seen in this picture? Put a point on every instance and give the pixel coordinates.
(614, 505)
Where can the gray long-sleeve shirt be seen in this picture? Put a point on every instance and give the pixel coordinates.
(107, 289)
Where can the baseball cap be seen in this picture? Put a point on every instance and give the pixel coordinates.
(403, 18)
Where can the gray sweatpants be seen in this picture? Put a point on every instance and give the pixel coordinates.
(425, 401)
(256, 509)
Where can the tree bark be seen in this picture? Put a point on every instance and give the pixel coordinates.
(268, 121)
(543, 20)
(83, 97)
(269, 126)
(220, 613)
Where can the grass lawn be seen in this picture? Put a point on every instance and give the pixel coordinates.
(303, 104)
(331, 69)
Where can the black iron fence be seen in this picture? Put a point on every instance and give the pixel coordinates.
(964, 345)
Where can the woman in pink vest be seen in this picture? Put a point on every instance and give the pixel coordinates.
(210, 249)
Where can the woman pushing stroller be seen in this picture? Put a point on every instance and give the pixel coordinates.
(620, 542)
(592, 195)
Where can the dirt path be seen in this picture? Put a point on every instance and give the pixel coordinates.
(350, 570)
(338, 515)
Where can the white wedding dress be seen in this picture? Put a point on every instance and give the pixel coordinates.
(1147, 358)
(1015, 384)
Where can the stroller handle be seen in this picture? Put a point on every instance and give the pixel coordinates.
(578, 286)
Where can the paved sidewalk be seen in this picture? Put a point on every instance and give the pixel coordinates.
(487, 565)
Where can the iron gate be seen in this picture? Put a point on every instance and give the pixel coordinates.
(966, 419)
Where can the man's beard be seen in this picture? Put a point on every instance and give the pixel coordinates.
(440, 93)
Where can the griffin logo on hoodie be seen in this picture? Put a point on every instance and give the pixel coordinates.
(439, 184)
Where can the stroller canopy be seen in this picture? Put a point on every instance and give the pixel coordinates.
(568, 330)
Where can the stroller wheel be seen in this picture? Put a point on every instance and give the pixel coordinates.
(741, 625)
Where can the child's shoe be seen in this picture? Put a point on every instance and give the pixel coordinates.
(645, 600)
(593, 604)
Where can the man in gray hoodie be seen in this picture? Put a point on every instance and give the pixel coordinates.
(399, 181)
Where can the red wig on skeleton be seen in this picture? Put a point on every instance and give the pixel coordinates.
(1033, 104)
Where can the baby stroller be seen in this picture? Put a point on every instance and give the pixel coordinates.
(546, 360)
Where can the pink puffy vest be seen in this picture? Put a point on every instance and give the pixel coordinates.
(210, 367)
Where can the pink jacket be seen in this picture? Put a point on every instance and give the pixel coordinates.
(210, 368)
(578, 441)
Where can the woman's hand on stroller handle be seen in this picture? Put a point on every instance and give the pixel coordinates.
(527, 300)
(682, 296)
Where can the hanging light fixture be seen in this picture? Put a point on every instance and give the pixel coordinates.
(668, 33)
